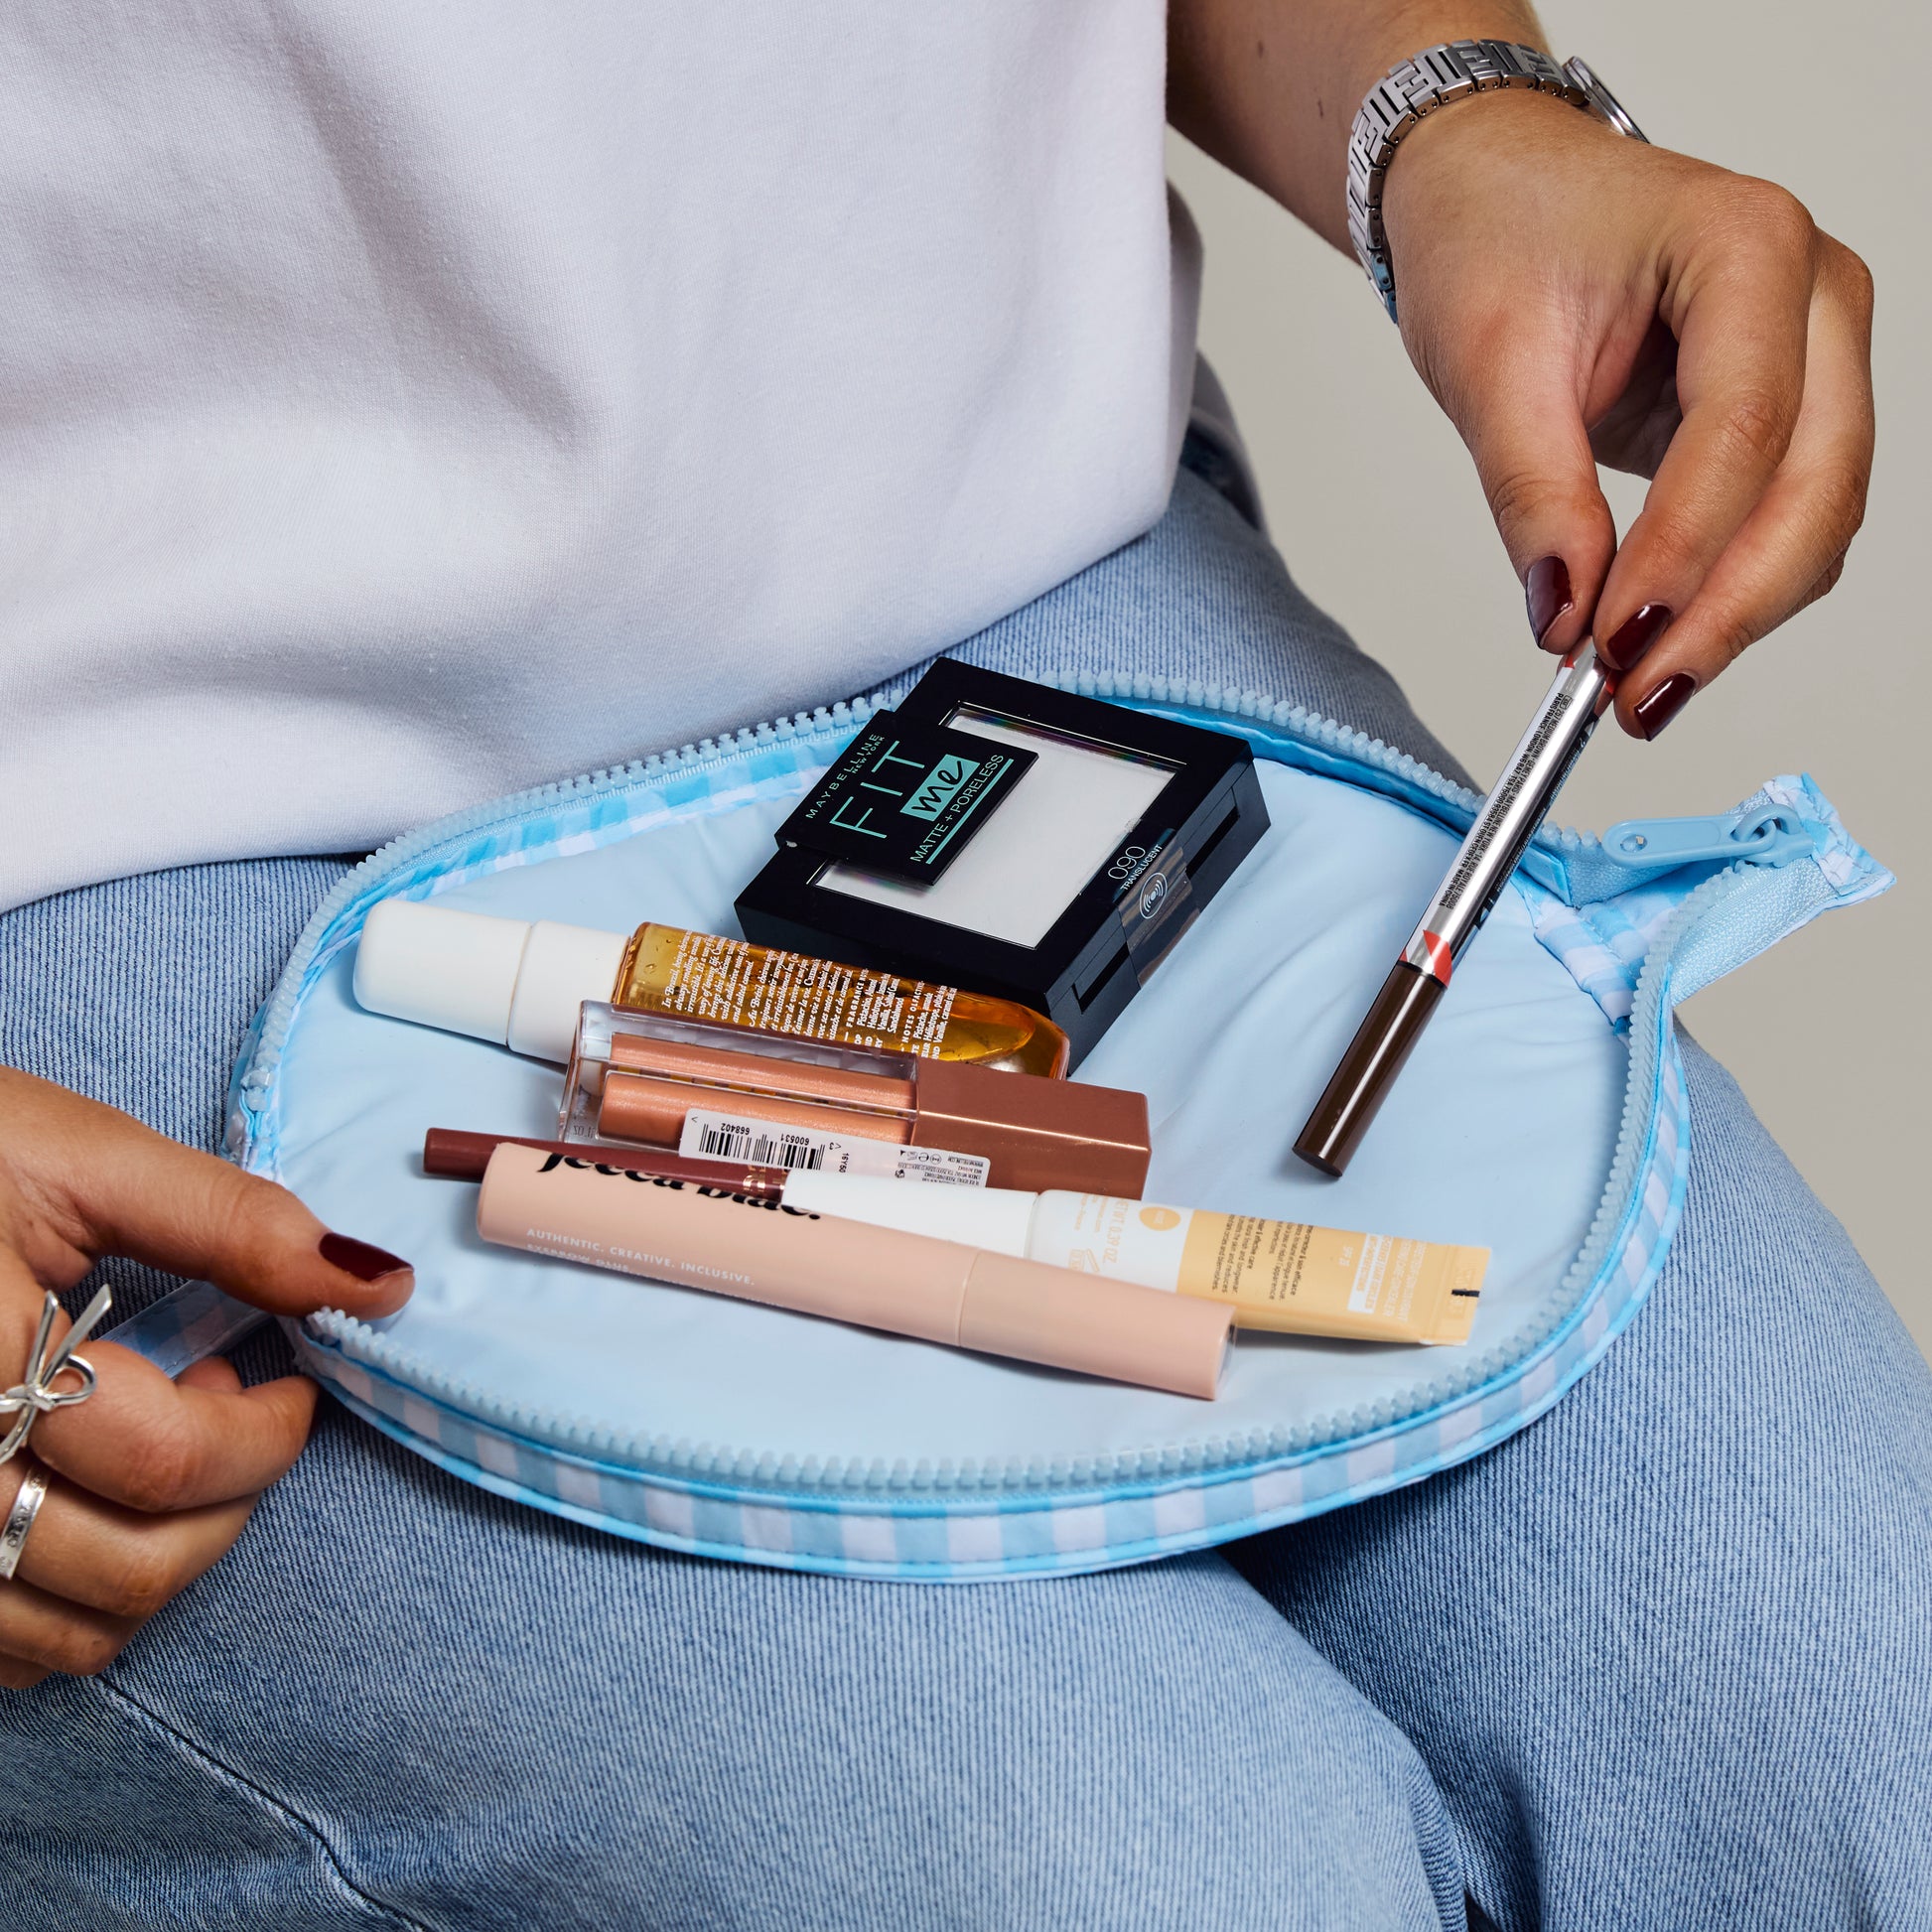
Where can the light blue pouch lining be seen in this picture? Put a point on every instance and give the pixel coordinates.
(1543, 1116)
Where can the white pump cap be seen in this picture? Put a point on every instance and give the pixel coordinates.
(506, 980)
(998, 1219)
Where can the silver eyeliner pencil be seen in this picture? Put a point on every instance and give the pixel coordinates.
(1504, 825)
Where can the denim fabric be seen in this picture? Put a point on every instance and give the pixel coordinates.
(1662, 1660)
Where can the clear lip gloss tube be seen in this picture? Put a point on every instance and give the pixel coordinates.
(640, 1078)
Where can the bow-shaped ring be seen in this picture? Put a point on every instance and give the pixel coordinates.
(35, 1394)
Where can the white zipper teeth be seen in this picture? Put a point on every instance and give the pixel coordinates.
(1300, 722)
(279, 1010)
(701, 1463)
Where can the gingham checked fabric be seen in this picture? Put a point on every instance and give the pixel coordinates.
(929, 1536)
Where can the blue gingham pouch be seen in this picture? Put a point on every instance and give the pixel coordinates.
(1543, 1117)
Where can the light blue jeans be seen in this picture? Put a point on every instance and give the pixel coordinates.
(1662, 1660)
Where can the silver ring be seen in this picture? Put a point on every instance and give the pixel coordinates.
(34, 1395)
(20, 1519)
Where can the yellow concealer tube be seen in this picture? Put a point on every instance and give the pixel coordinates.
(1285, 1276)
(1302, 1280)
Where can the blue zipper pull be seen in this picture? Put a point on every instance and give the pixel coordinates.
(1766, 835)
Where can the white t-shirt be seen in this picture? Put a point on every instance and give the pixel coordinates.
(402, 404)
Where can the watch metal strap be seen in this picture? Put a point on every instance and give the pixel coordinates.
(1429, 81)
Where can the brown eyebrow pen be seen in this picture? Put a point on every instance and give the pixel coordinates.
(1505, 822)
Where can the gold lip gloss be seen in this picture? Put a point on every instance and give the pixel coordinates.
(733, 983)
(521, 984)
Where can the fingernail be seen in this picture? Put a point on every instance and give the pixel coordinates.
(1655, 711)
(1546, 590)
(1634, 636)
(361, 1259)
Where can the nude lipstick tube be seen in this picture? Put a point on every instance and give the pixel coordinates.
(637, 1077)
(845, 1271)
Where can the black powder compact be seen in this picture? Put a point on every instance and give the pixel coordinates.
(997, 835)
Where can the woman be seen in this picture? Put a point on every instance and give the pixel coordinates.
(406, 405)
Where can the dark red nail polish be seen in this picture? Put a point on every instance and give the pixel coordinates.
(1634, 636)
(360, 1258)
(1546, 591)
(1655, 711)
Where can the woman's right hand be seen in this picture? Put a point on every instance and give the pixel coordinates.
(149, 1481)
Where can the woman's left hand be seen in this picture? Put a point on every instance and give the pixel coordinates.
(1570, 297)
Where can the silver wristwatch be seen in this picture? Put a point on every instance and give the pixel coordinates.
(1431, 79)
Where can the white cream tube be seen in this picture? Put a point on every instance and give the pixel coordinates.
(1281, 1275)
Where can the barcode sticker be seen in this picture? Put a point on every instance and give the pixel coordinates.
(744, 1138)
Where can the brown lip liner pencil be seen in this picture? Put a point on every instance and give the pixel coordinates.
(459, 1156)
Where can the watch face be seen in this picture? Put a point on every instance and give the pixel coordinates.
(1600, 98)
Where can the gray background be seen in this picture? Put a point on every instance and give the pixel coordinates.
(1375, 505)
